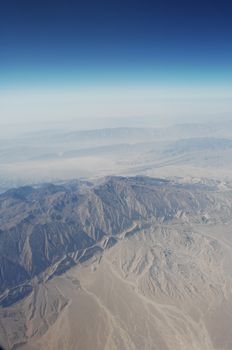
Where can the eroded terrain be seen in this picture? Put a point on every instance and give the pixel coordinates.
(155, 273)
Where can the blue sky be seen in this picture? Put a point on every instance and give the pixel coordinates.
(102, 45)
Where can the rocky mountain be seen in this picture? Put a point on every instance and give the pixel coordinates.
(155, 237)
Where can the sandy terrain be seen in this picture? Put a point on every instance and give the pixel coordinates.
(167, 287)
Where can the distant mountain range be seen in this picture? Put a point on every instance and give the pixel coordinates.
(54, 155)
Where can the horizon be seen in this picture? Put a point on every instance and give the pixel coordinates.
(164, 61)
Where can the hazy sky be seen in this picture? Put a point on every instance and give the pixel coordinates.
(79, 60)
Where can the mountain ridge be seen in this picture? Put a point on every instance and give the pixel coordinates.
(54, 227)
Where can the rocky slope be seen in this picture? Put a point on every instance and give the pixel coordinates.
(153, 241)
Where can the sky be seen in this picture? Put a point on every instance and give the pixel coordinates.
(85, 60)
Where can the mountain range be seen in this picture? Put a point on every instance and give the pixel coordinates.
(82, 254)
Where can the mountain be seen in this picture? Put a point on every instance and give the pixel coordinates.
(122, 263)
(54, 155)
